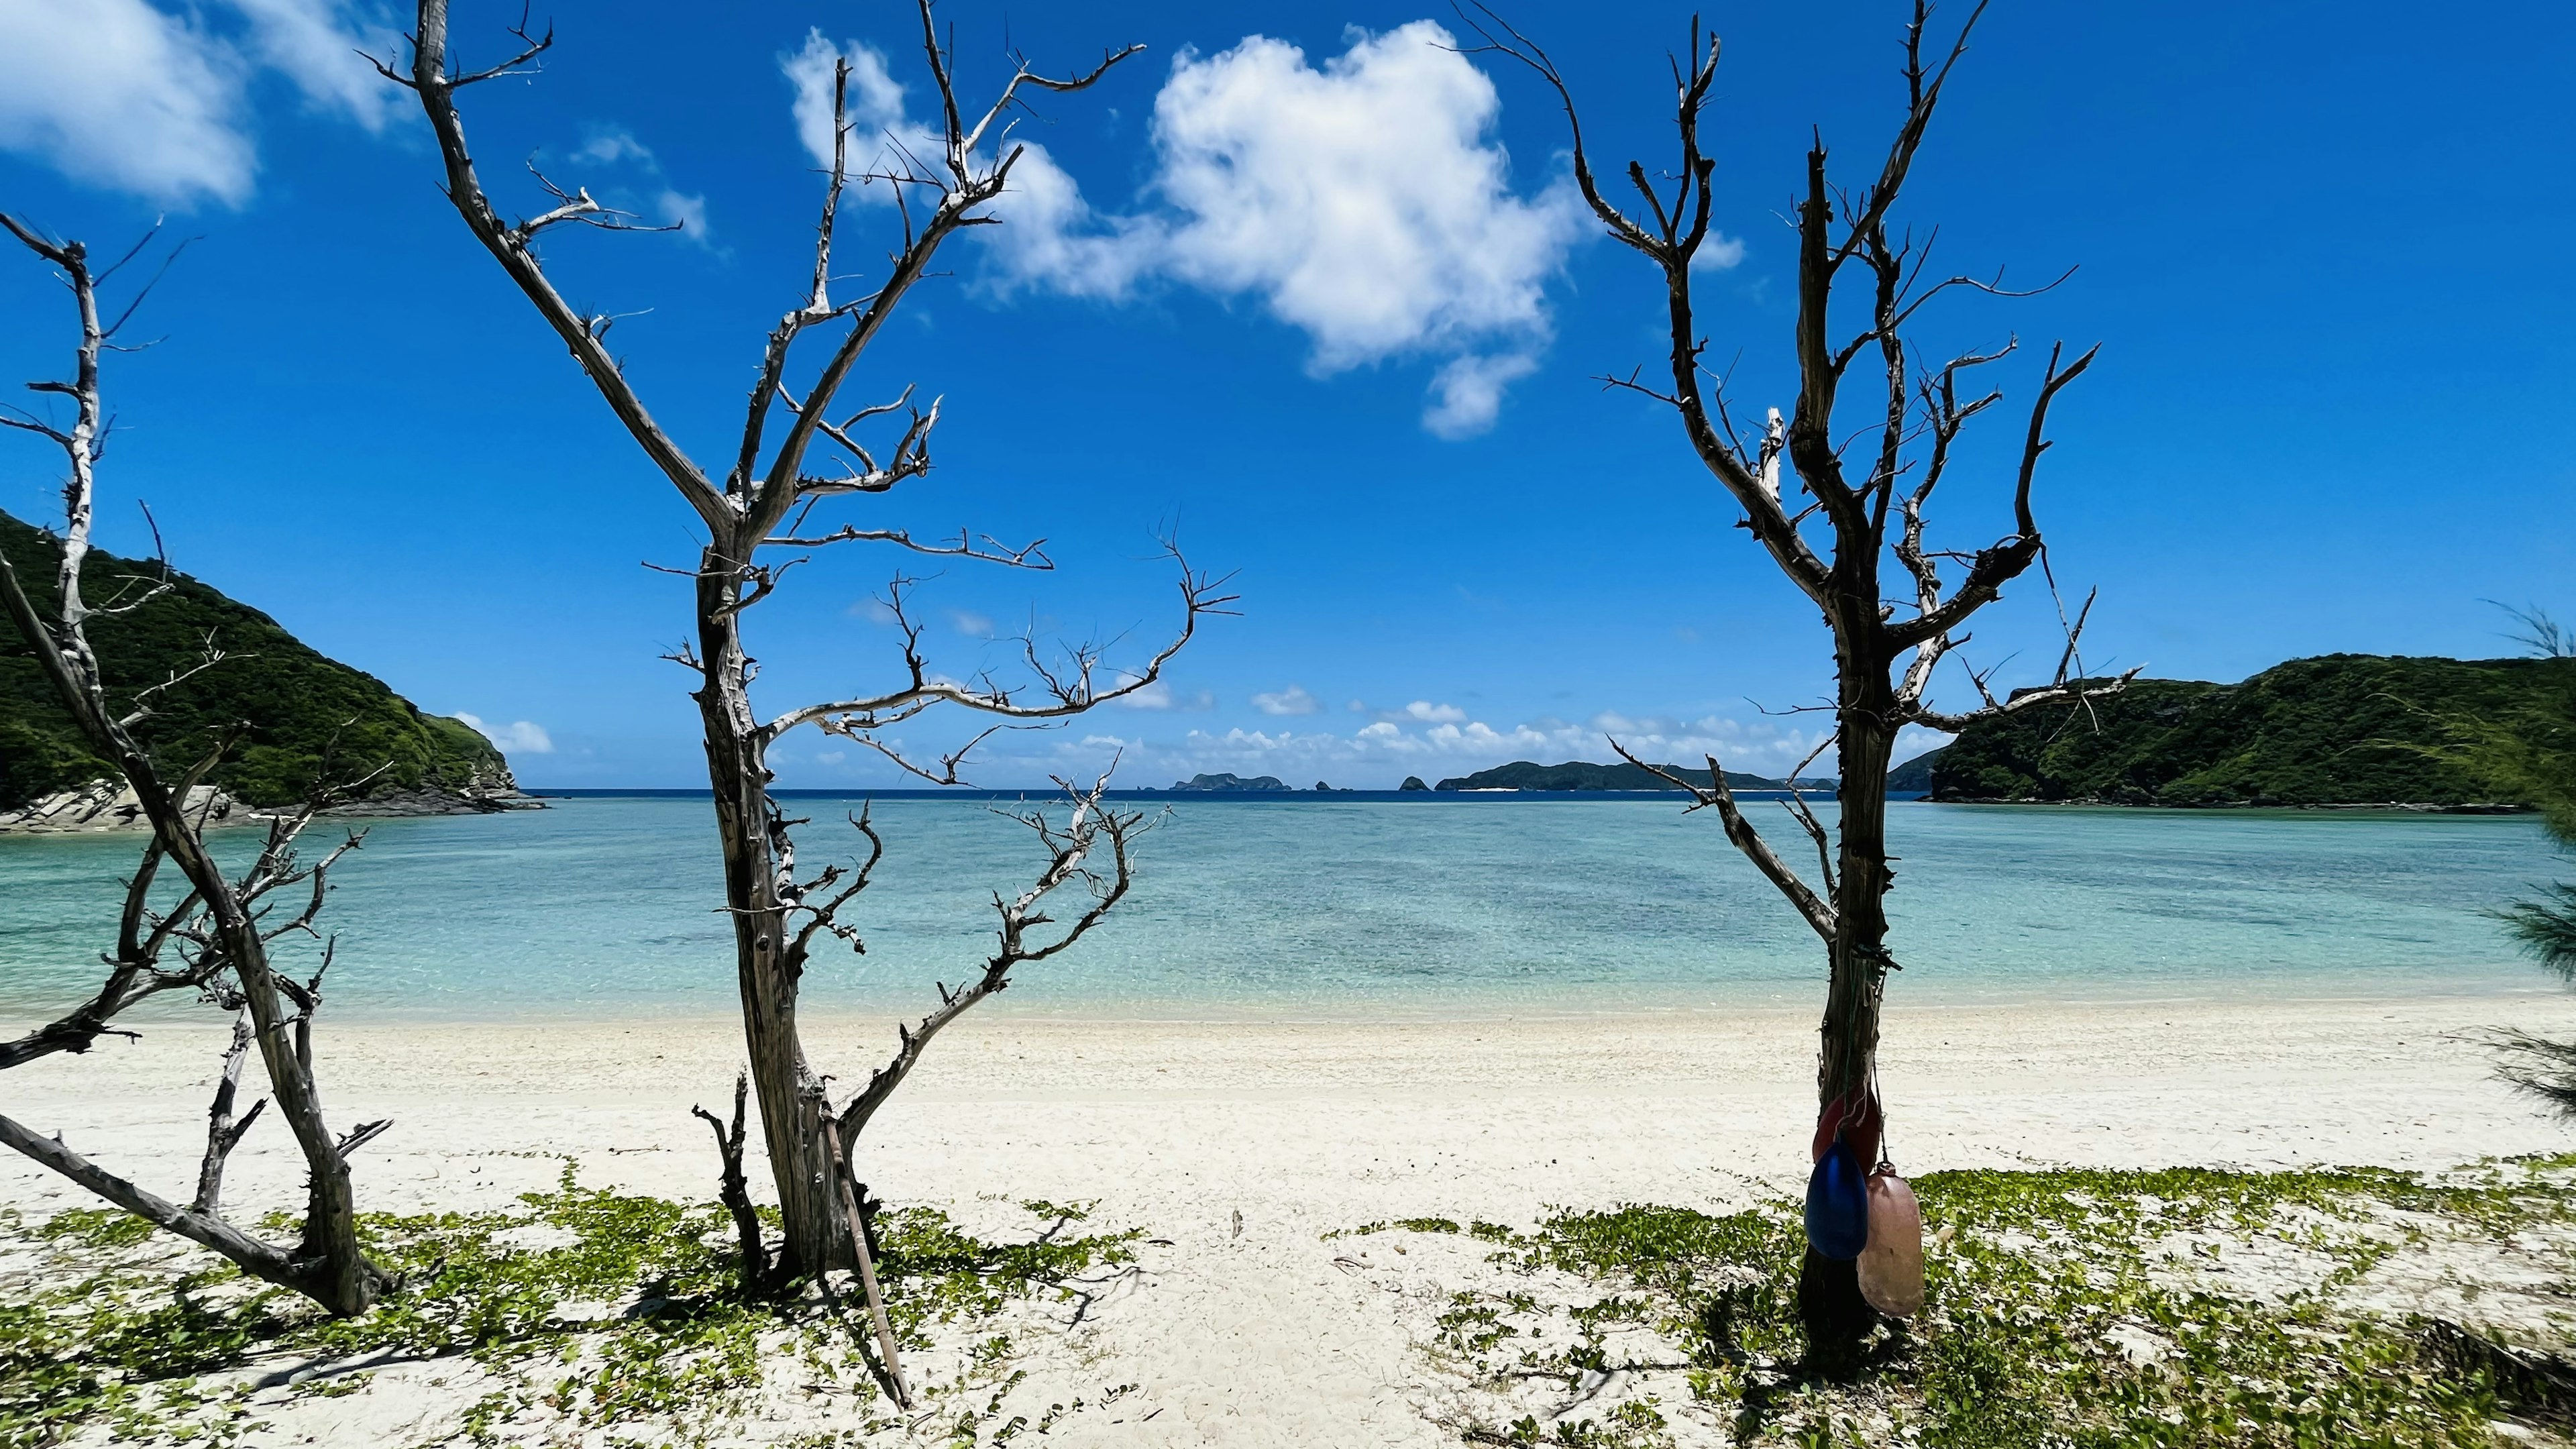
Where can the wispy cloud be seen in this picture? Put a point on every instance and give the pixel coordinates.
(1292, 700)
(128, 96)
(668, 206)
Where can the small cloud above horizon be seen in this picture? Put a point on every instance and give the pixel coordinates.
(1292, 700)
(518, 737)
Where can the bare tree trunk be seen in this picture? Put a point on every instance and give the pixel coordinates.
(1835, 551)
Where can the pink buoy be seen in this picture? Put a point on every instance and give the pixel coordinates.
(1891, 1267)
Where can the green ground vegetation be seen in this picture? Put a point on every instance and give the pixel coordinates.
(580, 1312)
(2339, 730)
(2067, 1309)
(292, 706)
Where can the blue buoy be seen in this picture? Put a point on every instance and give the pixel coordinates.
(1838, 1203)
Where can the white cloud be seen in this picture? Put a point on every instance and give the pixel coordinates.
(117, 93)
(1719, 253)
(970, 623)
(609, 145)
(1159, 696)
(316, 43)
(1292, 700)
(688, 213)
(129, 97)
(875, 114)
(1363, 202)
(617, 146)
(1467, 395)
(1436, 742)
(519, 737)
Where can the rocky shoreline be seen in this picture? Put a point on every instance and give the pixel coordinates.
(104, 806)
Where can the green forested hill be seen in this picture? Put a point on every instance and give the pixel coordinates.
(291, 699)
(1584, 775)
(2343, 729)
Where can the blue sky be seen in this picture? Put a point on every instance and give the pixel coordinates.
(2330, 413)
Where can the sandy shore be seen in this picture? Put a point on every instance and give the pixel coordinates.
(1256, 1338)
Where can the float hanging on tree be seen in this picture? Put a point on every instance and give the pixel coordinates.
(1838, 1222)
(1891, 1263)
(1865, 1214)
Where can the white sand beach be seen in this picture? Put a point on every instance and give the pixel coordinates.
(1255, 1336)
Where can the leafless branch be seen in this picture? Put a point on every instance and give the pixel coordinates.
(1741, 833)
(735, 1192)
(1069, 849)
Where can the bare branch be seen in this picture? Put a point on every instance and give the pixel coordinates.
(1069, 691)
(735, 1193)
(1069, 850)
(2075, 693)
(510, 247)
(1740, 832)
(223, 1133)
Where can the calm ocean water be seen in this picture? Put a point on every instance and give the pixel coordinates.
(1328, 907)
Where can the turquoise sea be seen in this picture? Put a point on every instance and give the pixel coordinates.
(1320, 906)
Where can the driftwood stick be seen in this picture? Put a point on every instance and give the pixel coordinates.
(867, 1272)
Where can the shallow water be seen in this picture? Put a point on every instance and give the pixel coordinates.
(1327, 907)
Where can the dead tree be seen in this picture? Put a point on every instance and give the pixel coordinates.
(759, 520)
(1836, 546)
(215, 940)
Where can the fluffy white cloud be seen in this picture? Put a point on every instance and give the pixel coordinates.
(132, 97)
(1362, 202)
(1424, 709)
(1292, 700)
(519, 737)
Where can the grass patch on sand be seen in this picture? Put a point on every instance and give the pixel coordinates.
(581, 1310)
(2066, 1308)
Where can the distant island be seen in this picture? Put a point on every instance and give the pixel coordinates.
(289, 702)
(1575, 775)
(1231, 782)
(2340, 730)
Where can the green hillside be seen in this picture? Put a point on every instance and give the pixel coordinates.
(1583, 775)
(291, 699)
(2345, 729)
